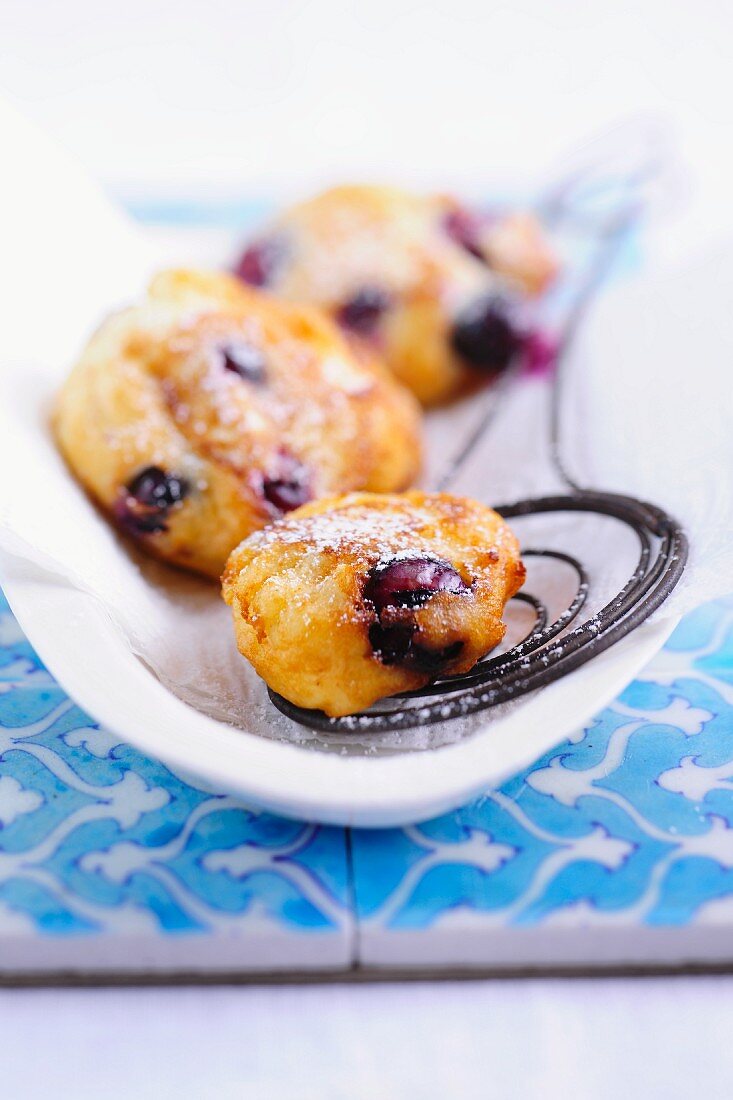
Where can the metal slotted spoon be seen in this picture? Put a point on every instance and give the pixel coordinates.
(604, 198)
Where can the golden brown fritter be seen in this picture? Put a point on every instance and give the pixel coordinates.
(430, 285)
(348, 600)
(211, 409)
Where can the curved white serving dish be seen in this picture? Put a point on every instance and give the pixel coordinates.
(62, 239)
(94, 664)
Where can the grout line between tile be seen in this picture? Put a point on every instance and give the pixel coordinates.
(355, 929)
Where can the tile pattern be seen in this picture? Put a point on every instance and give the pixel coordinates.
(97, 839)
(627, 823)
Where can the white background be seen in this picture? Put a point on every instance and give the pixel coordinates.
(260, 95)
(253, 99)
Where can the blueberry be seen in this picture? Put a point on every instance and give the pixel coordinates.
(485, 336)
(289, 485)
(148, 497)
(362, 312)
(154, 488)
(246, 360)
(540, 352)
(394, 588)
(409, 582)
(391, 643)
(432, 661)
(259, 263)
(465, 229)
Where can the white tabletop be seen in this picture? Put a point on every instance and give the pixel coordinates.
(590, 1039)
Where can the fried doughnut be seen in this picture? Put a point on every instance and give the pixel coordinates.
(210, 409)
(348, 600)
(433, 287)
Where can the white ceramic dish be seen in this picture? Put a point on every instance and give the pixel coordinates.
(81, 258)
(96, 667)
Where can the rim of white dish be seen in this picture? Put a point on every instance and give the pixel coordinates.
(94, 665)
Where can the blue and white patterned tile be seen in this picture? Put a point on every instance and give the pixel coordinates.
(616, 846)
(109, 860)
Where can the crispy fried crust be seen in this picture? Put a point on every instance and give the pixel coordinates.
(150, 390)
(301, 616)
